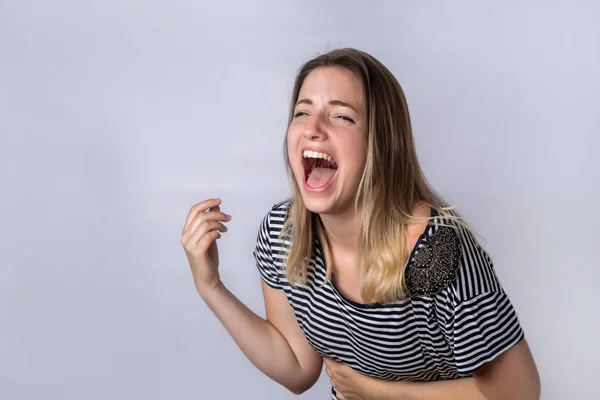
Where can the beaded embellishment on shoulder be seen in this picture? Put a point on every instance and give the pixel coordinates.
(434, 265)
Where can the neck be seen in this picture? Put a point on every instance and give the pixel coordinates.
(343, 230)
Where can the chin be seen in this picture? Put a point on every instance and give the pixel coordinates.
(318, 206)
(328, 203)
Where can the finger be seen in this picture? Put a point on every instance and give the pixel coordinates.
(203, 229)
(203, 218)
(206, 227)
(207, 240)
(198, 208)
(200, 219)
(332, 365)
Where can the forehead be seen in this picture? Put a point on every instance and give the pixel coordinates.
(332, 83)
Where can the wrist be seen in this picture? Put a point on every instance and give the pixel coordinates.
(210, 288)
(382, 389)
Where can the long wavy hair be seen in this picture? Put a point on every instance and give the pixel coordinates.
(391, 185)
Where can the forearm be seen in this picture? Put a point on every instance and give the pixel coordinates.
(511, 376)
(456, 389)
(258, 339)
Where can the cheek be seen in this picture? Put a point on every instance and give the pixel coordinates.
(356, 156)
(289, 138)
(292, 138)
(292, 142)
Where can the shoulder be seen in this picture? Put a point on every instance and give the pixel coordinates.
(450, 259)
(271, 230)
(271, 248)
(476, 274)
(278, 213)
(275, 218)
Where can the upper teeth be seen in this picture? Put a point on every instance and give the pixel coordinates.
(316, 154)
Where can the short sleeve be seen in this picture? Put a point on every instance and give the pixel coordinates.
(478, 319)
(264, 256)
(483, 327)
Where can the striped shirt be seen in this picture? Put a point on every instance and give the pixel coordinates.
(456, 318)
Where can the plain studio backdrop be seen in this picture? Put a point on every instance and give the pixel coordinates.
(117, 116)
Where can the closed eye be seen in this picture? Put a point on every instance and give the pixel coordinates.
(300, 114)
(344, 118)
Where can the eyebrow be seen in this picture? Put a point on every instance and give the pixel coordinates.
(332, 102)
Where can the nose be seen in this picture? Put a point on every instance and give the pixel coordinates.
(314, 130)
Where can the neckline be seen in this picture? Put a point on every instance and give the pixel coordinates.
(356, 304)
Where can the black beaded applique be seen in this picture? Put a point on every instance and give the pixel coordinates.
(434, 265)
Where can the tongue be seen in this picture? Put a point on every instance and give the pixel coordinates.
(320, 177)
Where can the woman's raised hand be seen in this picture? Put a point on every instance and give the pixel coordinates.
(203, 227)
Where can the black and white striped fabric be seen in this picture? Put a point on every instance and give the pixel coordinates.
(430, 336)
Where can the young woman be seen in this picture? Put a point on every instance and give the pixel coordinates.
(365, 268)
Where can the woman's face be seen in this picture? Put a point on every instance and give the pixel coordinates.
(326, 139)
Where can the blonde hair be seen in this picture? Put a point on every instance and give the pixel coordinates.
(391, 186)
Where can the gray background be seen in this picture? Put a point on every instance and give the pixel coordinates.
(117, 116)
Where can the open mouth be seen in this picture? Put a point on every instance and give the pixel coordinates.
(319, 168)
